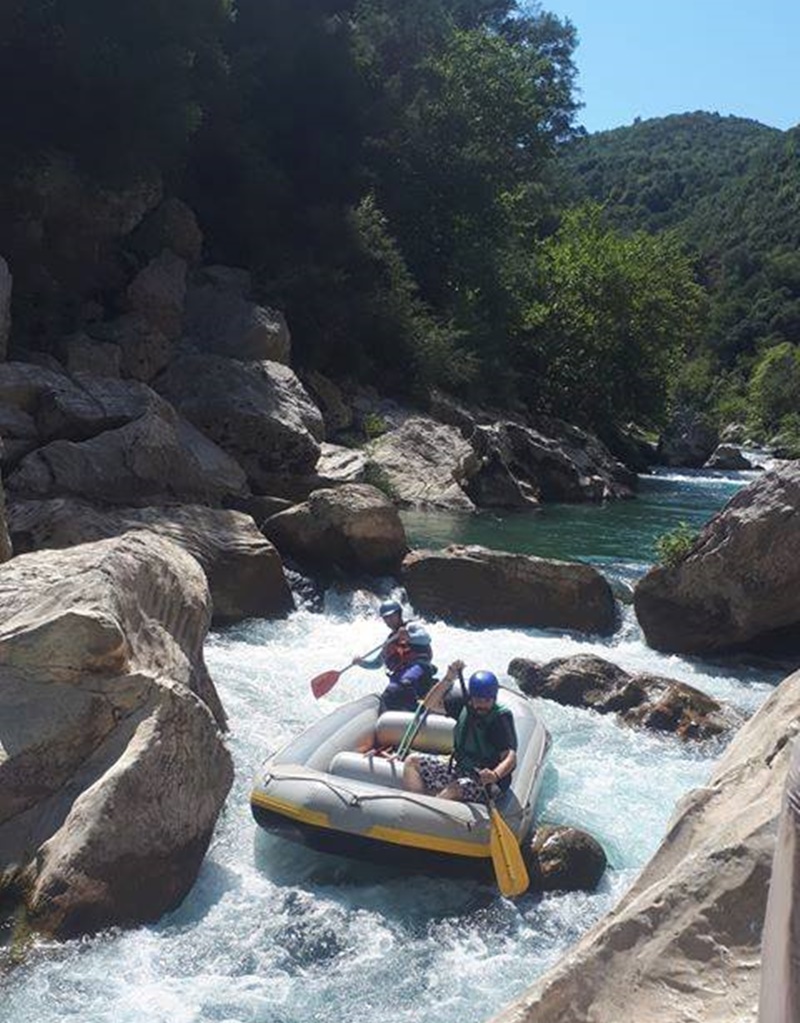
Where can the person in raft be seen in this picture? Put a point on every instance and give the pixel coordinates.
(407, 656)
(484, 744)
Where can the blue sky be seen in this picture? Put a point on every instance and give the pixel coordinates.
(649, 59)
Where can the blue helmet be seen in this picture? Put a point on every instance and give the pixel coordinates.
(417, 636)
(390, 607)
(484, 685)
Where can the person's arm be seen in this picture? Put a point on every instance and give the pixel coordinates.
(494, 775)
(438, 705)
(370, 663)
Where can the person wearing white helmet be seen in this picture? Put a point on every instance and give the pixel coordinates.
(407, 656)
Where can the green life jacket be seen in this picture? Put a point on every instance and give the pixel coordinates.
(472, 747)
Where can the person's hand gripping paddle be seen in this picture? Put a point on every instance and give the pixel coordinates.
(510, 871)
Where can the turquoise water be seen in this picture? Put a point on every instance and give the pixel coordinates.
(617, 532)
(272, 933)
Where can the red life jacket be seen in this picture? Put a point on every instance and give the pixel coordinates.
(397, 651)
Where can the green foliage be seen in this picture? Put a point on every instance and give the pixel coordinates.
(672, 547)
(614, 314)
(731, 188)
(774, 389)
(374, 425)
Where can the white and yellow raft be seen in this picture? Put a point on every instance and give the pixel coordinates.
(329, 789)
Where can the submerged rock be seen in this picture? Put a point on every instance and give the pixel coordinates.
(660, 704)
(564, 859)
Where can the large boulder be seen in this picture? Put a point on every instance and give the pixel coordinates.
(243, 569)
(551, 462)
(422, 463)
(481, 587)
(256, 411)
(352, 528)
(5, 306)
(683, 942)
(155, 459)
(220, 319)
(688, 441)
(737, 587)
(5, 539)
(112, 768)
(728, 457)
(660, 704)
(171, 225)
(157, 293)
(144, 350)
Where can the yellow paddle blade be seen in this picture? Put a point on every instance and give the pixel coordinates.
(509, 866)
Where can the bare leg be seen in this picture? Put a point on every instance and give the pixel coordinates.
(451, 791)
(412, 780)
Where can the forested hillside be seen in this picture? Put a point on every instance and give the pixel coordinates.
(403, 178)
(730, 189)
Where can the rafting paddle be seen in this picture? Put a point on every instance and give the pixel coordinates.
(420, 716)
(322, 684)
(510, 871)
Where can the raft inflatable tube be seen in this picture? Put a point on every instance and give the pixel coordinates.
(331, 790)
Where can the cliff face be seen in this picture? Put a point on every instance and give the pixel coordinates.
(684, 943)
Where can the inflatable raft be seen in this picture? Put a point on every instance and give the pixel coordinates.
(334, 789)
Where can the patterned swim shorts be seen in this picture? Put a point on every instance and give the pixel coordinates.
(436, 774)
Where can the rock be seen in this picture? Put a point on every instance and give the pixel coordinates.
(5, 540)
(336, 413)
(683, 942)
(219, 320)
(244, 571)
(81, 353)
(734, 433)
(687, 441)
(173, 226)
(728, 456)
(422, 463)
(564, 859)
(256, 411)
(553, 462)
(780, 994)
(113, 770)
(86, 405)
(737, 588)
(5, 307)
(153, 460)
(483, 587)
(660, 704)
(156, 295)
(144, 350)
(19, 435)
(353, 528)
(341, 465)
(258, 506)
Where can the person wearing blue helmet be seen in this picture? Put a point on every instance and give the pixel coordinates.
(484, 745)
(407, 656)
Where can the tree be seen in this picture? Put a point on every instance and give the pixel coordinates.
(613, 315)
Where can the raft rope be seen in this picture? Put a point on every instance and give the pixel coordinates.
(350, 798)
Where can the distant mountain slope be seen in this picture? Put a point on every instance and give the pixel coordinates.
(731, 188)
(654, 173)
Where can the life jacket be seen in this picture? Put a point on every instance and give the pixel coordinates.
(397, 651)
(472, 747)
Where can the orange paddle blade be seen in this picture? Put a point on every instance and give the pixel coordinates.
(323, 683)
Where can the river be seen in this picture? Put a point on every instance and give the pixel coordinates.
(273, 933)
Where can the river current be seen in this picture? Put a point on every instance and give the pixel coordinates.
(273, 933)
